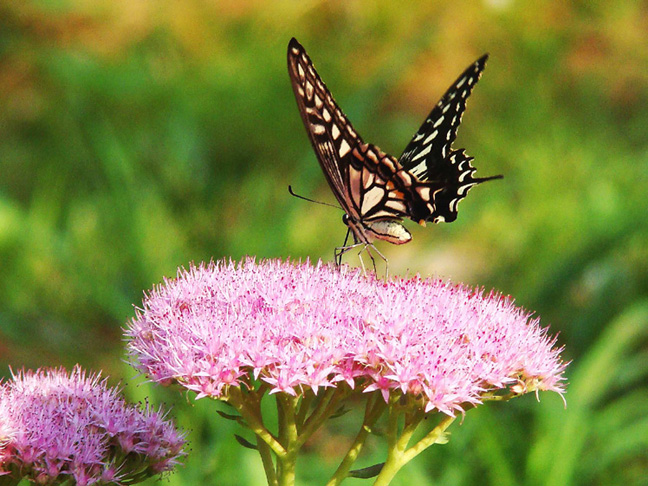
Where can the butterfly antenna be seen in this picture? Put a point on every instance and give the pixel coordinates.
(310, 200)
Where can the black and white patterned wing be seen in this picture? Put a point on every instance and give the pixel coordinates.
(431, 144)
(359, 174)
(430, 158)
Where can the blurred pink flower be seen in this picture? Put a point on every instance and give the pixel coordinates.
(296, 326)
(64, 425)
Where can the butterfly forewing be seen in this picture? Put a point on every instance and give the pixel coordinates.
(431, 144)
(359, 174)
(430, 158)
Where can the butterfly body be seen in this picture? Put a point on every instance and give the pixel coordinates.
(376, 190)
(387, 229)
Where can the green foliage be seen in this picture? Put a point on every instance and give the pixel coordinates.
(136, 137)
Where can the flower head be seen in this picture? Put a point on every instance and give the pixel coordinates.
(71, 424)
(299, 326)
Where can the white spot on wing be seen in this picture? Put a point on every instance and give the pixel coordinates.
(438, 122)
(424, 192)
(354, 184)
(431, 137)
(371, 198)
(461, 82)
(344, 148)
(335, 131)
(418, 169)
(423, 152)
(398, 206)
(465, 174)
(300, 70)
(326, 115)
(367, 179)
(319, 129)
(464, 189)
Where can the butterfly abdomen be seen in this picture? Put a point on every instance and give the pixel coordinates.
(391, 231)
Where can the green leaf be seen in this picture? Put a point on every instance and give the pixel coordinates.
(245, 443)
(339, 412)
(367, 472)
(228, 416)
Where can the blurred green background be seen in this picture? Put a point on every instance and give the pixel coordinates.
(137, 136)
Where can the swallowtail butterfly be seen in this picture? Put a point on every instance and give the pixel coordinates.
(375, 190)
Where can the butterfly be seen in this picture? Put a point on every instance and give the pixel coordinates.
(375, 190)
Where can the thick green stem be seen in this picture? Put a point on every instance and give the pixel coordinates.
(248, 407)
(392, 423)
(324, 409)
(304, 406)
(287, 406)
(412, 422)
(373, 410)
(266, 459)
(432, 437)
(398, 456)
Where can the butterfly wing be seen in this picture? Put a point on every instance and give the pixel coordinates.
(447, 173)
(431, 144)
(359, 174)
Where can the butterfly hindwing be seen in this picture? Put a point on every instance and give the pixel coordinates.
(436, 200)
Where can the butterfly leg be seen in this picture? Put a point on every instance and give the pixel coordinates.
(374, 261)
(364, 270)
(341, 250)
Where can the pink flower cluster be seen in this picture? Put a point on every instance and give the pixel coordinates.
(56, 425)
(296, 326)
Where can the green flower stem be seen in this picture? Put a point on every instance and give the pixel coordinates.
(281, 420)
(373, 410)
(325, 408)
(392, 422)
(287, 406)
(304, 406)
(398, 456)
(431, 438)
(266, 458)
(412, 421)
(248, 407)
